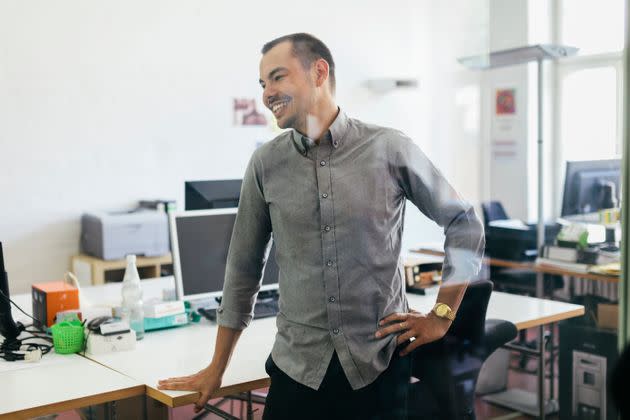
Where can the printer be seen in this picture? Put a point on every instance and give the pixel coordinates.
(113, 235)
(512, 239)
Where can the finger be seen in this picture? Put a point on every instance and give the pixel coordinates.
(398, 316)
(178, 386)
(394, 328)
(201, 402)
(175, 379)
(406, 337)
(411, 347)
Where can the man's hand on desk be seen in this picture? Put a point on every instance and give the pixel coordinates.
(206, 381)
(422, 328)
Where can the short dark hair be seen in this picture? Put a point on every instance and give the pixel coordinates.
(308, 49)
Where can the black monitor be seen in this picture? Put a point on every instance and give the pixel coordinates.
(201, 240)
(216, 194)
(590, 186)
(9, 329)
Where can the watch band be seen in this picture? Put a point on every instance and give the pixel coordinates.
(442, 310)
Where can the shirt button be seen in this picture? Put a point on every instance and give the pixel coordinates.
(329, 263)
(322, 163)
(324, 195)
(327, 228)
(220, 310)
(336, 331)
(335, 143)
(331, 299)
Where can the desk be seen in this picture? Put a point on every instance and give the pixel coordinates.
(192, 347)
(185, 350)
(58, 383)
(529, 265)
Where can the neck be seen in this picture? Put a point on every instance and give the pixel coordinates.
(319, 120)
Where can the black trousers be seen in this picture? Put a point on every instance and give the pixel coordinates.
(385, 398)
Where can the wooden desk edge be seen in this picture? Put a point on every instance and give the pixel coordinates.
(550, 319)
(42, 410)
(538, 268)
(191, 398)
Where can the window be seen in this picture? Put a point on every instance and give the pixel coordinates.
(588, 86)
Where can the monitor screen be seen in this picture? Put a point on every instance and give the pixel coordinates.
(201, 240)
(590, 186)
(215, 194)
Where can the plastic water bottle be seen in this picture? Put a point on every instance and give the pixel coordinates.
(132, 310)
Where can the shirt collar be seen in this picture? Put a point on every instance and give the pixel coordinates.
(335, 134)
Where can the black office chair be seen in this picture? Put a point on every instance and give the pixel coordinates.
(448, 369)
(493, 210)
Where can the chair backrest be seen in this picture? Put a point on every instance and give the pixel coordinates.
(493, 210)
(470, 321)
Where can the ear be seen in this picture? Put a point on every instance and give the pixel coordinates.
(321, 71)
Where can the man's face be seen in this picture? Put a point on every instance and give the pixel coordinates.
(288, 89)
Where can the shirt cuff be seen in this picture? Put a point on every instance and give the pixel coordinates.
(232, 319)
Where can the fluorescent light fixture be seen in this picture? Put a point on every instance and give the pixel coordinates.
(519, 55)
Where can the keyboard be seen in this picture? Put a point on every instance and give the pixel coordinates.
(262, 309)
(266, 308)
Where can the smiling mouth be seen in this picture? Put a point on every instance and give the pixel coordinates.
(278, 107)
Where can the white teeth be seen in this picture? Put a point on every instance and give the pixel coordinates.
(278, 106)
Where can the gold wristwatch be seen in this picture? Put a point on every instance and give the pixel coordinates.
(442, 310)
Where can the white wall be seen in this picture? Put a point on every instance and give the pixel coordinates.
(103, 104)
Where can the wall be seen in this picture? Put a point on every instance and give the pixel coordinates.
(103, 104)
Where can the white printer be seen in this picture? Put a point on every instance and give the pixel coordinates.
(112, 235)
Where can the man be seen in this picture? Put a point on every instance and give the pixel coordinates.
(333, 191)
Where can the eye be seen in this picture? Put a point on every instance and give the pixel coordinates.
(278, 78)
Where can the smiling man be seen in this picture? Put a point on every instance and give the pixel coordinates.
(333, 189)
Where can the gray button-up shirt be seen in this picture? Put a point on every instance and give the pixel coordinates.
(336, 211)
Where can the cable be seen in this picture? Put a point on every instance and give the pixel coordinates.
(20, 309)
(22, 348)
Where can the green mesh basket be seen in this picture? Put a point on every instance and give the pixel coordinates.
(68, 337)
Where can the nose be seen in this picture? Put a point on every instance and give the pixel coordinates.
(268, 92)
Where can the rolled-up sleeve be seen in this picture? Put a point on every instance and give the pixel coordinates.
(245, 262)
(424, 185)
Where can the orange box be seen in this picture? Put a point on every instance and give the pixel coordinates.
(50, 298)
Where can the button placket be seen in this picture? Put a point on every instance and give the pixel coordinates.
(329, 252)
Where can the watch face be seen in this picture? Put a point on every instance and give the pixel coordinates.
(441, 310)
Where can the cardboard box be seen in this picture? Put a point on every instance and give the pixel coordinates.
(608, 316)
(50, 298)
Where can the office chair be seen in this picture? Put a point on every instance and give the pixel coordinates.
(493, 210)
(447, 369)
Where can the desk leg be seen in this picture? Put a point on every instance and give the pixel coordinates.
(541, 373)
(250, 407)
(540, 285)
(154, 409)
(551, 362)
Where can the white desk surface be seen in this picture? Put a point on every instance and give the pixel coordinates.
(53, 387)
(58, 382)
(185, 350)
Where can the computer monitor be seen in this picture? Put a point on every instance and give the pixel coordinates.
(201, 240)
(215, 194)
(9, 329)
(590, 186)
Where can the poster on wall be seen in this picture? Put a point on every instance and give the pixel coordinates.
(505, 102)
(246, 113)
(505, 119)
